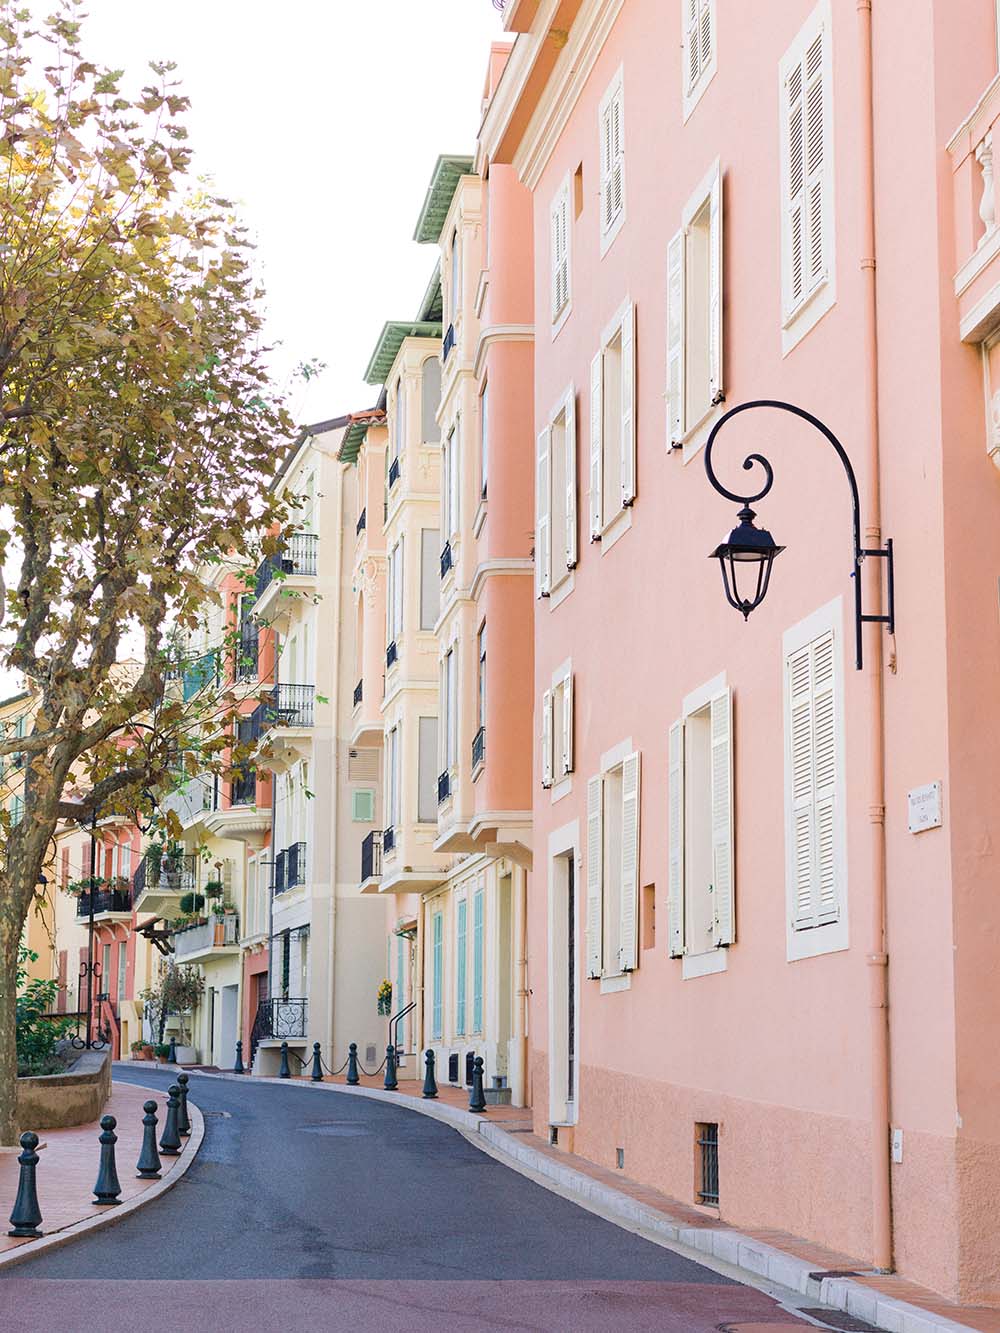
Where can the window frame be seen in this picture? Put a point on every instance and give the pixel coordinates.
(602, 528)
(616, 975)
(694, 90)
(547, 583)
(614, 93)
(461, 962)
(561, 203)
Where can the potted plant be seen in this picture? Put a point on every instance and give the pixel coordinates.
(192, 903)
(214, 888)
(385, 999)
(161, 1050)
(138, 1049)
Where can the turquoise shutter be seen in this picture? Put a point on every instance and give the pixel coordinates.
(438, 1010)
(460, 966)
(477, 962)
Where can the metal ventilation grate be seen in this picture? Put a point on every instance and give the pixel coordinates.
(708, 1146)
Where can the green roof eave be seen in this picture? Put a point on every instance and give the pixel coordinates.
(448, 171)
(391, 340)
(350, 445)
(432, 307)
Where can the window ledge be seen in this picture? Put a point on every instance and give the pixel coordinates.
(562, 589)
(693, 441)
(694, 95)
(558, 321)
(608, 237)
(704, 964)
(563, 787)
(480, 519)
(808, 315)
(617, 528)
(615, 982)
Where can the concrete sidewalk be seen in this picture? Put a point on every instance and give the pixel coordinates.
(834, 1280)
(68, 1165)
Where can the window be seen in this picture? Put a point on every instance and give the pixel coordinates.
(560, 257)
(399, 422)
(694, 311)
(449, 709)
(700, 893)
(394, 593)
(481, 638)
(478, 959)
(612, 423)
(392, 803)
(401, 987)
(815, 835)
(455, 284)
(450, 479)
(427, 770)
(612, 130)
(430, 400)
(121, 970)
(484, 440)
(430, 579)
(362, 806)
(461, 954)
(555, 536)
(807, 175)
(105, 986)
(699, 62)
(613, 868)
(557, 727)
(246, 648)
(437, 945)
(126, 860)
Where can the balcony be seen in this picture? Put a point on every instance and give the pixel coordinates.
(190, 801)
(448, 344)
(280, 1020)
(283, 719)
(371, 858)
(446, 562)
(362, 522)
(393, 472)
(161, 879)
(241, 818)
(444, 787)
(284, 577)
(245, 654)
(108, 903)
(388, 840)
(359, 692)
(479, 749)
(391, 655)
(219, 936)
(290, 868)
(244, 789)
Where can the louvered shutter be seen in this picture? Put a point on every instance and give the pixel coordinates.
(675, 338)
(675, 821)
(617, 155)
(595, 876)
(570, 439)
(567, 724)
(607, 159)
(795, 280)
(556, 260)
(705, 34)
(723, 896)
(693, 42)
(628, 947)
(715, 292)
(543, 519)
(815, 161)
(628, 406)
(596, 445)
(560, 252)
(813, 762)
(806, 185)
(547, 719)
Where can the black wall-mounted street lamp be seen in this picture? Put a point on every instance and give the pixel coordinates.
(748, 554)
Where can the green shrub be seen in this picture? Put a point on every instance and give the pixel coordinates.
(37, 1036)
(161, 1050)
(192, 902)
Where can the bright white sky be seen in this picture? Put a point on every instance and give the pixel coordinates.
(323, 119)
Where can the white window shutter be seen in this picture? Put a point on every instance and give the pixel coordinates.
(556, 258)
(596, 445)
(400, 589)
(543, 514)
(628, 406)
(389, 596)
(692, 42)
(628, 949)
(675, 338)
(567, 724)
(705, 55)
(807, 186)
(617, 154)
(815, 160)
(456, 481)
(560, 252)
(547, 729)
(675, 821)
(595, 876)
(814, 761)
(723, 896)
(716, 389)
(794, 204)
(607, 159)
(571, 518)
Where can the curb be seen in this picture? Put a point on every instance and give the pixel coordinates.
(52, 1240)
(744, 1255)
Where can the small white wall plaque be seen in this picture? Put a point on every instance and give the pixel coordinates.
(924, 807)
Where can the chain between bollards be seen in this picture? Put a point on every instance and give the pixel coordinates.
(170, 1139)
(107, 1187)
(477, 1097)
(26, 1217)
(183, 1119)
(148, 1165)
(430, 1082)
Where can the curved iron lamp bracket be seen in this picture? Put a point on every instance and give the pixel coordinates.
(860, 552)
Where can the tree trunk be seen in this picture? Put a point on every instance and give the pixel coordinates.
(10, 934)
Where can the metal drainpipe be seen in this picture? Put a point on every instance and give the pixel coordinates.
(334, 756)
(882, 1238)
(522, 978)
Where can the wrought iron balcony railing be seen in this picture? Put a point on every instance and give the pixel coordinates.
(391, 654)
(165, 872)
(298, 556)
(218, 933)
(446, 563)
(444, 787)
(362, 521)
(280, 1020)
(105, 900)
(371, 855)
(479, 748)
(448, 344)
(359, 692)
(192, 798)
(388, 840)
(244, 790)
(393, 472)
(245, 653)
(290, 868)
(284, 706)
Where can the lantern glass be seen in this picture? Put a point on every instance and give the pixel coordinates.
(746, 560)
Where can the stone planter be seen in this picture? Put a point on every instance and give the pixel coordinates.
(186, 1055)
(75, 1097)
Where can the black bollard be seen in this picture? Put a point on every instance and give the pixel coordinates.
(352, 1064)
(170, 1140)
(238, 1066)
(26, 1216)
(183, 1119)
(172, 1053)
(108, 1187)
(283, 1069)
(148, 1165)
(477, 1098)
(430, 1082)
(317, 1069)
(389, 1083)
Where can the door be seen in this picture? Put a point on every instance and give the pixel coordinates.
(227, 1025)
(570, 979)
(504, 977)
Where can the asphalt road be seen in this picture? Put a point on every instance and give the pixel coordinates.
(307, 1210)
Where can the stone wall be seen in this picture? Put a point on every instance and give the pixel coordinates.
(76, 1097)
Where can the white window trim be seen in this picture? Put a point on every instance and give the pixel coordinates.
(563, 197)
(797, 323)
(615, 88)
(695, 433)
(612, 978)
(835, 936)
(563, 841)
(559, 575)
(619, 523)
(693, 95)
(562, 779)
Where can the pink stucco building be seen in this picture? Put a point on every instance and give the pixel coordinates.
(763, 912)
